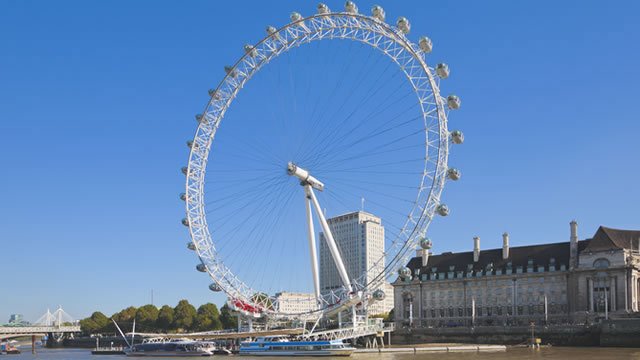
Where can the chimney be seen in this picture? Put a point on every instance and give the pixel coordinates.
(573, 245)
(505, 245)
(476, 248)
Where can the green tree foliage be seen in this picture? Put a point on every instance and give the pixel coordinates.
(146, 317)
(263, 298)
(124, 318)
(165, 318)
(184, 316)
(208, 318)
(390, 316)
(94, 324)
(227, 318)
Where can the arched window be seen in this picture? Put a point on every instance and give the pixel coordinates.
(601, 263)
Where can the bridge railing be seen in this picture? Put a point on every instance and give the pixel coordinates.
(38, 329)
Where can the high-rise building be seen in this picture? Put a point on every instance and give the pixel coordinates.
(360, 239)
(16, 319)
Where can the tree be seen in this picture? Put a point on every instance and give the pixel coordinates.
(390, 316)
(124, 318)
(96, 323)
(208, 318)
(227, 318)
(147, 316)
(184, 315)
(264, 299)
(165, 318)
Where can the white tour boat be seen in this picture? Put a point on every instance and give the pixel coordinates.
(172, 347)
(281, 346)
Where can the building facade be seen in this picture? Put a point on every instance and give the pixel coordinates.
(567, 282)
(295, 303)
(360, 239)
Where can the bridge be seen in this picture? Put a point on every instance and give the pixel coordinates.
(55, 326)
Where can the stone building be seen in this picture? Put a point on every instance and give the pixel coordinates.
(567, 282)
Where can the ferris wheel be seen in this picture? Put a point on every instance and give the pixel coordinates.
(347, 116)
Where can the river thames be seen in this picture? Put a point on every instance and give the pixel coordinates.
(582, 353)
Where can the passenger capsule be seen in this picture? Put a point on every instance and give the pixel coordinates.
(190, 144)
(350, 7)
(183, 196)
(230, 71)
(425, 44)
(201, 267)
(453, 102)
(271, 30)
(185, 170)
(295, 16)
(214, 94)
(199, 118)
(323, 9)
(425, 243)
(443, 209)
(185, 222)
(215, 287)
(454, 174)
(378, 295)
(404, 272)
(378, 12)
(457, 137)
(442, 70)
(191, 245)
(404, 25)
(250, 50)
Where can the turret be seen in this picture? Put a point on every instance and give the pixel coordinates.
(476, 248)
(505, 245)
(573, 245)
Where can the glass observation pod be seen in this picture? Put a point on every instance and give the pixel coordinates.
(457, 137)
(404, 272)
(250, 50)
(378, 12)
(215, 287)
(425, 44)
(443, 209)
(214, 94)
(454, 174)
(350, 7)
(379, 295)
(229, 70)
(425, 243)
(295, 16)
(323, 9)
(201, 267)
(404, 25)
(191, 246)
(453, 102)
(442, 70)
(185, 222)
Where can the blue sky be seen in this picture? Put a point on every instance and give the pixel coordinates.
(97, 100)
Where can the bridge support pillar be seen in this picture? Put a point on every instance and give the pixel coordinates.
(33, 344)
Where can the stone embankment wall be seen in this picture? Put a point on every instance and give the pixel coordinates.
(623, 332)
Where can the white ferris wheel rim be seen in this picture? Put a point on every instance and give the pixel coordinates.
(369, 30)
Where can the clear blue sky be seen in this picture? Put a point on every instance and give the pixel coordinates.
(97, 100)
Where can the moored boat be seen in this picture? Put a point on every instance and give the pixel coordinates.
(280, 346)
(161, 347)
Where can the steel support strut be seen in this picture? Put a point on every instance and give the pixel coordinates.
(309, 183)
(312, 245)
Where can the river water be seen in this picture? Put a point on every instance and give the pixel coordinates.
(586, 353)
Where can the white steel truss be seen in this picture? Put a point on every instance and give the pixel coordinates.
(409, 57)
